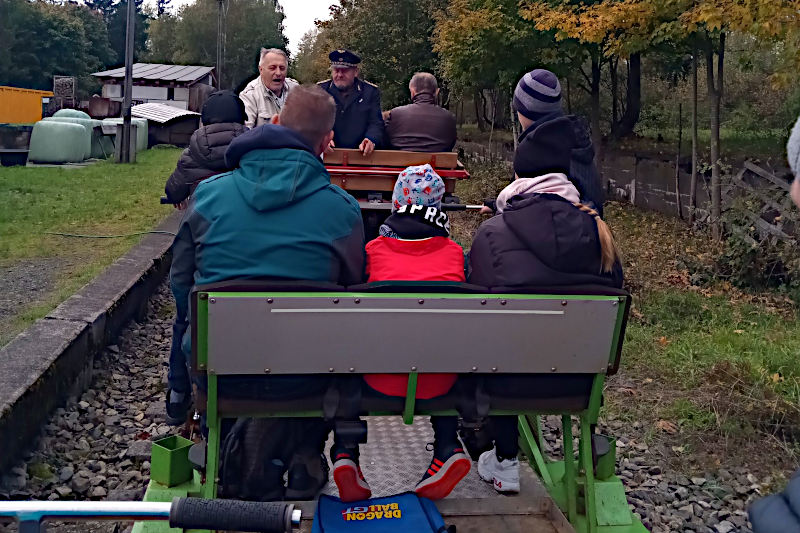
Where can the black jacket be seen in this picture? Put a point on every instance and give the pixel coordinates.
(421, 126)
(539, 240)
(582, 169)
(358, 116)
(778, 513)
(205, 157)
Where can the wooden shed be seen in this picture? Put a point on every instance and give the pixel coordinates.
(167, 124)
(181, 86)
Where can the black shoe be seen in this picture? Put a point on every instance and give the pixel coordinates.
(308, 475)
(178, 405)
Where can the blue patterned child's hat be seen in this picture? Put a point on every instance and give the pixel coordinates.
(419, 185)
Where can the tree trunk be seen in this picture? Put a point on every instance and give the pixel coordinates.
(569, 97)
(478, 99)
(693, 182)
(715, 100)
(597, 136)
(494, 116)
(633, 97)
(612, 70)
(514, 122)
(678, 163)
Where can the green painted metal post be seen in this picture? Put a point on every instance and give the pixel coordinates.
(570, 478)
(530, 443)
(587, 466)
(214, 429)
(411, 398)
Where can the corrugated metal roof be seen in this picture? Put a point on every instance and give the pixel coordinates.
(160, 113)
(157, 71)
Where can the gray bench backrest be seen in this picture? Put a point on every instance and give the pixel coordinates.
(396, 333)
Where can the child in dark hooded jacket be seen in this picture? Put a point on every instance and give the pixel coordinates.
(223, 119)
(543, 236)
(413, 245)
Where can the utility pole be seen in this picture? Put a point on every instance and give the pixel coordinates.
(220, 42)
(125, 154)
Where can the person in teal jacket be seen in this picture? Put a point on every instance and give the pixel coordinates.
(276, 216)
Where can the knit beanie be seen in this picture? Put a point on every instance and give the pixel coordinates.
(418, 185)
(793, 149)
(538, 93)
(546, 149)
(223, 106)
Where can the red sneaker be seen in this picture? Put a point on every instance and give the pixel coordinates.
(349, 479)
(444, 473)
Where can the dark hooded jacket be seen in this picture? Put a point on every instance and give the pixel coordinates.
(778, 513)
(276, 216)
(582, 169)
(204, 158)
(223, 119)
(539, 240)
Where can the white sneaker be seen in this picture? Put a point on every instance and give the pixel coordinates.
(503, 475)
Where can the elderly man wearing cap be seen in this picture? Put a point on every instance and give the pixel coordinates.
(359, 123)
(265, 95)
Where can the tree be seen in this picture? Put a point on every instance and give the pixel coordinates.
(485, 47)
(311, 63)
(392, 37)
(41, 40)
(117, 29)
(191, 36)
(161, 7)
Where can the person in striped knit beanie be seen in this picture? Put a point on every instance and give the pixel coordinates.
(537, 101)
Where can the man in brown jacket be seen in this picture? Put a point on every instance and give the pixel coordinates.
(421, 126)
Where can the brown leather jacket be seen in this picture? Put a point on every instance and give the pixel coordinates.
(421, 126)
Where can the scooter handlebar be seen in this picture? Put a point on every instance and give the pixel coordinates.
(233, 515)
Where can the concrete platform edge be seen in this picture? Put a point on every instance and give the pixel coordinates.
(52, 359)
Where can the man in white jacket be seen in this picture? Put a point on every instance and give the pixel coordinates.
(265, 95)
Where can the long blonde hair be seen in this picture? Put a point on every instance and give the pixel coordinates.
(609, 253)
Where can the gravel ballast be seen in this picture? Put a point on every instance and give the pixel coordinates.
(98, 445)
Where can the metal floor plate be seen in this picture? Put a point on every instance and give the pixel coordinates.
(395, 458)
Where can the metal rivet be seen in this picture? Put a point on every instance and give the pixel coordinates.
(483, 302)
(553, 369)
(502, 302)
(213, 300)
(336, 300)
(270, 300)
(421, 302)
(563, 302)
(413, 369)
(330, 369)
(474, 368)
(494, 369)
(266, 370)
(352, 369)
(357, 300)
(203, 296)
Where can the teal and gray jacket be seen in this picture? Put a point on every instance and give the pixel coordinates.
(276, 216)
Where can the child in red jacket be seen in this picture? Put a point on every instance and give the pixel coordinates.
(414, 245)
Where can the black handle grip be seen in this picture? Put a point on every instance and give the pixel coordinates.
(231, 515)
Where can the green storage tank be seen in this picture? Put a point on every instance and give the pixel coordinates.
(58, 142)
(141, 131)
(71, 113)
(101, 146)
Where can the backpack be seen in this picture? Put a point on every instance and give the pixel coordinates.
(402, 513)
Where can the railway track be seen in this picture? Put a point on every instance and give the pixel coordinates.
(97, 445)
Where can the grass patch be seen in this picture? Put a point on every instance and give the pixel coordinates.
(103, 198)
(735, 142)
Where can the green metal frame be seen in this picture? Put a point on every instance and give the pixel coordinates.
(592, 505)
